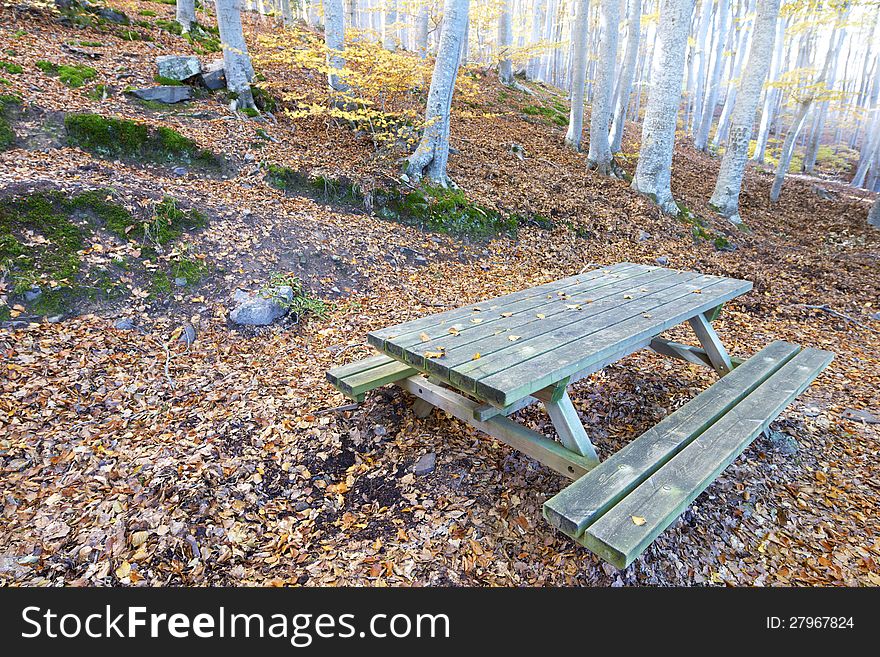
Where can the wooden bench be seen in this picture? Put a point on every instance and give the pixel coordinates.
(356, 379)
(618, 508)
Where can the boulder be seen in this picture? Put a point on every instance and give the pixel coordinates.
(124, 324)
(214, 75)
(113, 16)
(262, 310)
(178, 67)
(168, 94)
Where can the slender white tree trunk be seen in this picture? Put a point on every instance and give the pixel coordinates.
(707, 114)
(429, 158)
(334, 39)
(578, 75)
(742, 49)
(538, 17)
(874, 214)
(627, 73)
(654, 169)
(599, 157)
(389, 25)
(505, 43)
(700, 64)
(286, 13)
(812, 151)
(872, 136)
(770, 94)
(423, 20)
(725, 199)
(236, 61)
(186, 14)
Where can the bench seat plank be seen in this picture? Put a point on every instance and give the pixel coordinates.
(355, 379)
(580, 504)
(661, 498)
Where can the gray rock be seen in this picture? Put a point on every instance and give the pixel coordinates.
(113, 16)
(301, 506)
(782, 443)
(214, 75)
(662, 261)
(180, 281)
(379, 430)
(644, 235)
(33, 294)
(876, 316)
(425, 465)
(178, 67)
(124, 324)
(860, 416)
(166, 93)
(261, 311)
(179, 171)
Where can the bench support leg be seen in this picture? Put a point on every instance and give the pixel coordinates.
(421, 408)
(539, 447)
(712, 344)
(567, 423)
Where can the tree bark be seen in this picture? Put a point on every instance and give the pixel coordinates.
(627, 73)
(599, 156)
(505, 43)
(707, 114)
(742, 49)
(430, 157)
(422, 25)
(578, 75)
(700, 64)
(725, 199)
(286, 13)
(389, 25)
(538, 17)
(770, 94)
(186, 14)
(334, 39)
(874, 214)
(236, 60)
(654, 169)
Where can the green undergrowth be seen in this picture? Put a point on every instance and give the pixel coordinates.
(11, 68)
(303, 303)
(121, 138)
(72, 75)
(46, 239)
(702, 232)
(7, 134)
(554, 112)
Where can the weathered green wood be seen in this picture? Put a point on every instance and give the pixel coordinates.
(529, 442)
(666, 494)
(485, 411)
(715, 313)
(495, 337)
(577, 506)
(516, 318)
(684, 352)
(377, 338)
(519, 372)
(569, 427)
(711, 343)
(357, 367)
(421, 408)
(355, 385)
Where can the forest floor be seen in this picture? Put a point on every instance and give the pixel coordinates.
(128, 458)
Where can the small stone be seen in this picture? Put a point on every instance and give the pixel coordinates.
(179, 171)
(55, 319)
(180, 281)
(178, 67)
(33, 294)
(301, 506)
(876, 316)
(425, 465)
(662, 261)
(249, 157)
(166, 93)
(782, 443)
(644, 235)
(124, 324)
(214, 75)
(261, 311)
(379, 430)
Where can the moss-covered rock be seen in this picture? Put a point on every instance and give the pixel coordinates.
(7, 135)
(73, 75)
(121, 138)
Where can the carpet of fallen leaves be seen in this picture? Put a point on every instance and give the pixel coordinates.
(129, 459)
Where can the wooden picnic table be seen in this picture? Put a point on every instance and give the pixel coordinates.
(484, 361)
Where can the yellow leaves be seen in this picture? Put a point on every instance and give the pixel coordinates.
(139, 538)
(696, 291)
(627, 296)
(339, 488)
(513, 338)
(638, 520)
(540, 315)
(821, 477)
(506, 314)
(124, 570)
(454, 331)
(573, 306)
(424, 337)
(476, 320)
(440, 352)
(476, 356)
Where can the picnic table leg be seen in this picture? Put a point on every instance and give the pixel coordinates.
(567, 423)
(422, 408)
(711, 343)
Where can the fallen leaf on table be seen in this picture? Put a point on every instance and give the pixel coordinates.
(513, 338)
(638, 520)
(476, 356)
(424, 337)
(454, 331)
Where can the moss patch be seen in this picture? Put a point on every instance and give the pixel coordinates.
(73, 75)
(111, 137)
(11, 68)
(7, 134)
(554, 112)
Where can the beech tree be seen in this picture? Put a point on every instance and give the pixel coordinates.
(389, 25)
(654, 168)
(725, 199)
(599, 157)
(627, 73)
(578, 75)
(236, 61)
(874, 214)
(505, 42)
(186, 14)
(334, 39)
(707, 113)
(430, 157)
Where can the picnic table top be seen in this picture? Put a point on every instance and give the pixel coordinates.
(504, 349)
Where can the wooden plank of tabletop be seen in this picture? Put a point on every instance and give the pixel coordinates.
(551, 358)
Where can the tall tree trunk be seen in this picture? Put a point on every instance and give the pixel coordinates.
(700, 64)
(627, 73)
(874, 214)
(654, 169)
(429, 158)
(707, 114)
(186, 14)
(236, 60)
(389, 25)
(872, 137)
(742, 49)
(334, 39)
(505, 43)
(725, 199)
(422, 21)
(770, 93)
(578, 75)
(539, 13)
(599, 157)
(286, 13)
(812, 151)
